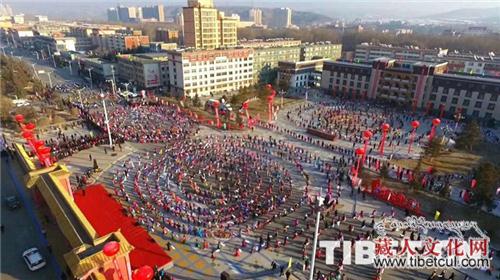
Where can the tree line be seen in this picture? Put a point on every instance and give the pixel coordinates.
(476, 44)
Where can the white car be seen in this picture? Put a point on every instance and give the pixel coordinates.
(33, 259)
(20, 102)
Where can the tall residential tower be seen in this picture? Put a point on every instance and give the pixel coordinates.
(207, 28)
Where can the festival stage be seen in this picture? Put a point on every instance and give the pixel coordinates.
(107, 215)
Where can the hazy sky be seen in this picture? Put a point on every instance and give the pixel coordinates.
(332, 8)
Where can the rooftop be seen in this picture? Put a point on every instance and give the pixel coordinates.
(346, 63)
(477, 79)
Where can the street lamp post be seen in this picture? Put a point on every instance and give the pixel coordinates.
(282, 93)
(315, 242)
(114, 80)
(90, 76)
(106, 120)
(34, 70)
(54, 61)
(112, 86)
(80, 97)
(50, 79)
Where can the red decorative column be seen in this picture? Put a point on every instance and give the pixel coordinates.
(111, 249)
(216, 105)
(435, 124)
(414, 125)
(385, 128)
(367, 135)
(143, 273)
(360, 153)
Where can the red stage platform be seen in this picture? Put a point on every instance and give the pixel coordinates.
(107, 215)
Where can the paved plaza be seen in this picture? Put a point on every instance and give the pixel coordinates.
(192, 261)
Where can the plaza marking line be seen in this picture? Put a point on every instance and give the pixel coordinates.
(29, 208)
(235, 267)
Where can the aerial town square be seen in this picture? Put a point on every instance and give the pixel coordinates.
(250, 140)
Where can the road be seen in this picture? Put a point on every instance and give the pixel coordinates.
(20, 233)
(58, 75)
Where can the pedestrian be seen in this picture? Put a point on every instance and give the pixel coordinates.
(288, 274)
(90, 157)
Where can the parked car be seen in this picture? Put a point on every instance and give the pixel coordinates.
(34, 259)
(12, 202)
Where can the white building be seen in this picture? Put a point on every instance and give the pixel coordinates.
(18, 19)
(301, 74)
(41, 18)
(205, 72)
(255, 15)
(282, 18)
(55, 44)
(369, 52)
(143, 73)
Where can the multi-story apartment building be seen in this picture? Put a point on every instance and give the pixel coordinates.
(119, 42)
(403, 81)
(113, 15)
(301, 74)
(369, 52)
(472, 96)
(207, 28)
(129, 14)
(51, 28)
(258, 43)
(161, 46)
(100, 69)
(415, 84)
(142, 72)
(266, 58)
(153, 12)
(205, 72)
(167, 35)
(41, 18)
(54, 44)
(18, 19)
(282, 18)
(346, 78)
(266, 61)
(474, 64)
(22, 35)
(320, 50)
(255, 15)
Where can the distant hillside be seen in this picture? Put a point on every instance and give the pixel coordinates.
(298, 17)
(468, 14)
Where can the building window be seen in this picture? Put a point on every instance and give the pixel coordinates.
(454, 100)
(480, 96)
(443, 98)
(475, 114)
(432, 97)
(478, 104)
(466, 102)
(494, 97)
(491, 106)
(468, 94)
(488, 115)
